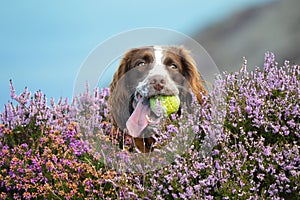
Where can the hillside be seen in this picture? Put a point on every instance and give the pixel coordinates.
(272, 27)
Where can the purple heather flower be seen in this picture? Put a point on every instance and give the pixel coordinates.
(172, 128)
(267, 151)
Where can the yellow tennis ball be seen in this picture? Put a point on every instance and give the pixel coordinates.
(165, 105)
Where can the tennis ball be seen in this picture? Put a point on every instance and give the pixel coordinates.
(165, 105)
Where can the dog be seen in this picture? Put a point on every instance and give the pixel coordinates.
(146, 72)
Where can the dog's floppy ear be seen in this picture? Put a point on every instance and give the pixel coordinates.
(124, 67)
(191, 74)
(119, 92)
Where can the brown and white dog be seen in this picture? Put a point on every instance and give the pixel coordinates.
(146, 72)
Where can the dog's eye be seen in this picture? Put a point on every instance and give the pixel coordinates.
(173, 66)
(140, 64)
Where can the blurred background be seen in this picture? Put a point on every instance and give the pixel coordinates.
(43, 44)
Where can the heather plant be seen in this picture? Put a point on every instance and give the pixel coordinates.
(245, 144)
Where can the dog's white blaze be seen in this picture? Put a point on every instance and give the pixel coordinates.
(158, 62)
(158, 53)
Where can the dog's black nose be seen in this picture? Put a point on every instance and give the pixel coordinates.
(158, 82)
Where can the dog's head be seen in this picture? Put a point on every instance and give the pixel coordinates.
(146, 72)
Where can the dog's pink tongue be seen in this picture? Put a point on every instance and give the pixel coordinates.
(138, 121)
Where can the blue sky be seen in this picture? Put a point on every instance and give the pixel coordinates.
(44, 43)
